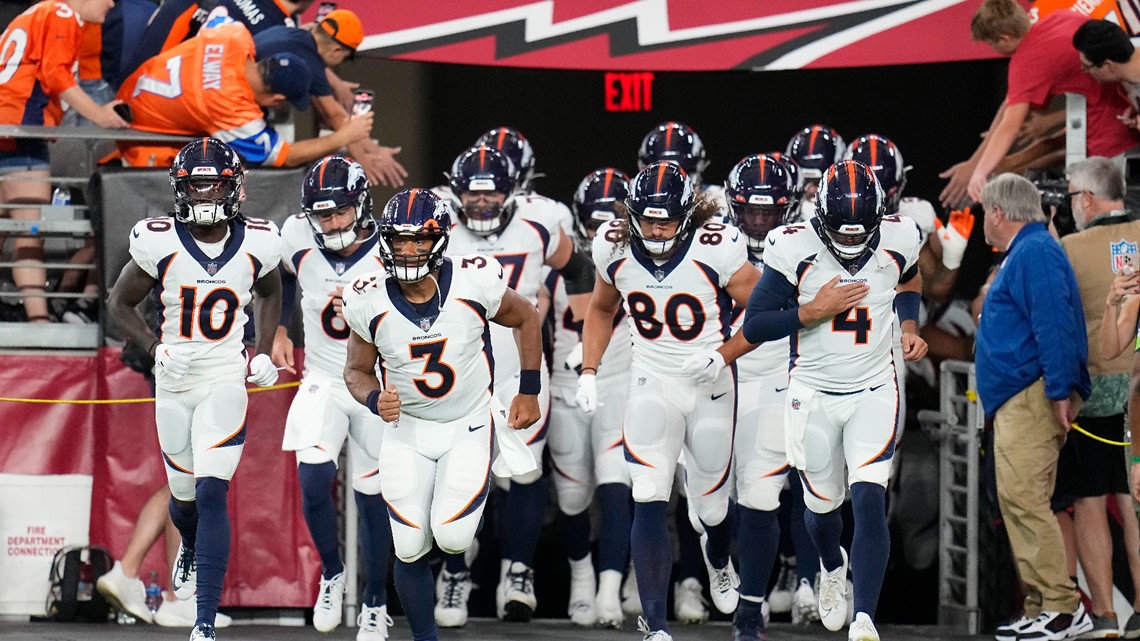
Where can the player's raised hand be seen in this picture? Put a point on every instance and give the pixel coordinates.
(914, 348)
(704, 366)
(172, 360)
(832, 299)
(338, 301)
(524, 411)
(587, 395)
(282, 353)
(388, 407)
(262, 371)
(954, 236)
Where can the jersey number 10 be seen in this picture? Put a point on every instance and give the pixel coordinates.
(189, 298)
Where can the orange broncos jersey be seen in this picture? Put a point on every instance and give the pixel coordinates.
(199, 88)
(37, 54)
(1091, 8)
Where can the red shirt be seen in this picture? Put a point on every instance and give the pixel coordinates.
(1046, 65)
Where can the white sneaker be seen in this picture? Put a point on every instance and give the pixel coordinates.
(1008, 631)
(1056, 626)
(652, 635)
(723, 582)
(780, 597)
(630, 597)
(583, 585)
(328, 610)
(833, 595)
(372, 623)
(124, 593)
(805, 607)
(518, 595)
(175, 613)
(451, 594)
(862, 629)
(608, 600)
(184, 574)
(689, 605)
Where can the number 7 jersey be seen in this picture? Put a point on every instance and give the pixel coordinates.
(851, 351)
(679, 307)
(203, 290)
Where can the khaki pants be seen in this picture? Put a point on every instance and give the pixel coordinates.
(1027, 442)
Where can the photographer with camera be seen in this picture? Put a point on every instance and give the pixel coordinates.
(1090, 471)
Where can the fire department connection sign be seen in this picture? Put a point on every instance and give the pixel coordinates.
(38, 516)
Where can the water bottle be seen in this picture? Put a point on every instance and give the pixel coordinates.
(153, 592)
(61, 196)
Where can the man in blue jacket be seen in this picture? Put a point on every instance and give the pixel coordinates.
(1032, 370)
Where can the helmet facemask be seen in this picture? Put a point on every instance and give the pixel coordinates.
(207, 200)
(484, 216)
(361, 228)
(412, 268)
(658, 248)
(756, 220)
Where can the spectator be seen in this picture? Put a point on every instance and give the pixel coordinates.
(1106, 53)
(1090, 471)
(44, 43)
(324, 45)
(1032, 372)
(1042, 65)
(219, 91)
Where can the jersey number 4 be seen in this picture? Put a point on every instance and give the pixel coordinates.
(434, 364)
(205, 313)
(854, 320)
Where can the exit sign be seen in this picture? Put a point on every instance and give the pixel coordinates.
(629, 91)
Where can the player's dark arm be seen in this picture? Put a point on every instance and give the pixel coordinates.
(360, 369)
(267, 309)
(517, 313)
(597, 326)
(132, 288)
(577, 270)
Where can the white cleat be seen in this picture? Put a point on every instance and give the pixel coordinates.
(451, 594)
(608, 600)
(723, 582)
(202, 633)
(833, 595)
(184, 574)
(862, 629)
(328, 610)
(805, 607)
(519, 601)
(124, 593)
(689, 605)
(372, 623)
(780, 597)
(582, 610)
(652, 635)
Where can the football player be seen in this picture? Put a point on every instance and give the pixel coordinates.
(522, 232)
(814, 149)
(678, 275)
(834, 284)
(426, 319)
(327, 246)
(679, 143)
(585, 449)
(206, 261)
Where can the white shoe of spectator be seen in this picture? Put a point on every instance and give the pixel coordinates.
(1056, 626)
(608, 600)
(451, 594)
(329, 610)
(176, 613)
(372, 623)
(833, 595)
(124, 593)
(689, 605)
(583, 585)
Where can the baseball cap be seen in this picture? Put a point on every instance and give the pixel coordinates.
(287, 74)
(344, 27)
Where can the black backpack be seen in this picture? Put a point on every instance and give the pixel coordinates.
(73, 597)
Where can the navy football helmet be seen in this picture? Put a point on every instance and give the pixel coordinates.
(333, 184)
(850, 208)
(486, 170)
(418, 215)
(815, 148)
(661, 193)
(793, 169)
(207, 177)
(885, 159)
(674, 142)
(594, 199)
(516, 147)
(761, 197)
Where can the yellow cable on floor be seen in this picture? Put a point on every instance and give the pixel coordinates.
(117, 401)
(1098, 438)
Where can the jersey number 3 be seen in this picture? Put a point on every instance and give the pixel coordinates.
(433, 352)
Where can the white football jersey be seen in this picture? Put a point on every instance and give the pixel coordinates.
(319, 272)
(522, 248)
(679, 307)
(769, 356)
(204, 289)
(438, 356)
(852, 352)
(616, 359)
